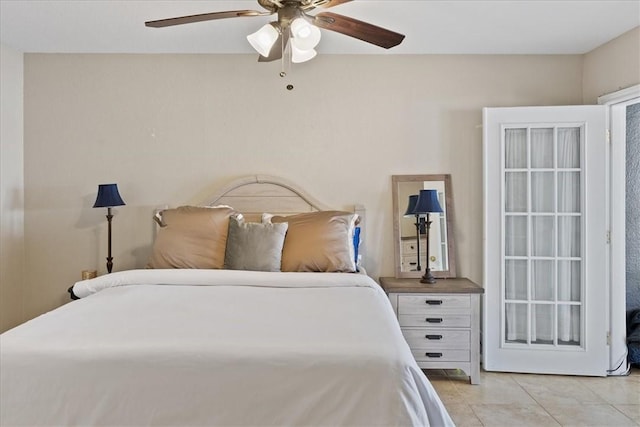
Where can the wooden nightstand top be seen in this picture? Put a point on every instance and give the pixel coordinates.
(458, 285)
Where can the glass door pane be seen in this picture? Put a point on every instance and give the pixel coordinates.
(516, 192)
(542, 148)
(516, 272)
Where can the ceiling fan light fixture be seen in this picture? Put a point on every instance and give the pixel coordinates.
(263, 39)
(294, 30)
(305, 35)
(300, 55)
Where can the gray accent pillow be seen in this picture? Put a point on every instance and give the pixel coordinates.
(254, 246)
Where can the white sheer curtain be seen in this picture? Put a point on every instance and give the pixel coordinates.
(515, 234)
(569, 237)
(542, 268)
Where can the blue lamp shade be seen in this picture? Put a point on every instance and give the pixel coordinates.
(428, 202)
(411, 207)
(108, 196)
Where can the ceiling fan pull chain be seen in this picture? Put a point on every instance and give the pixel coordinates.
(285, 60)
(287, 48)
(283, 72)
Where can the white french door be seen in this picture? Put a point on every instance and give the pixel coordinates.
(545, 231)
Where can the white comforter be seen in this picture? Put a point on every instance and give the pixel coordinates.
(216, 347)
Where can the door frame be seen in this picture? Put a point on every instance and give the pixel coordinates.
(617, 103)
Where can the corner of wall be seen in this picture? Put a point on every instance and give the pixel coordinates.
(613, 66)
(12, 248)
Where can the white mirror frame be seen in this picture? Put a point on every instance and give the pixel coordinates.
(399, 205)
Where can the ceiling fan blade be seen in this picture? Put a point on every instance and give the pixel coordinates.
(307, 5)
(203, 17)
(332, 3)
(278, 47)
(360, 30)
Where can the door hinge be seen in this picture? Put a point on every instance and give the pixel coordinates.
(608, 338)
(608, 137)
(608, 237)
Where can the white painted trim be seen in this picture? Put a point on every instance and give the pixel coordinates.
(620, 96)
(617, 103)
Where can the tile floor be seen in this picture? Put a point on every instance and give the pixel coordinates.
(505, 399)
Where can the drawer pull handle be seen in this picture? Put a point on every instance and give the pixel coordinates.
(433, 337)
(433, 354)
(434, 301)
(433, 319)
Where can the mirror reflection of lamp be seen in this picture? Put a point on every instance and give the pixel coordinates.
(411, 208)
(427, 204)
(108, 197)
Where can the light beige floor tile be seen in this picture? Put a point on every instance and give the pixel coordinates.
(634, 379)
(631, 411)
(446, 390)
(614, 390)
(463, 415)
(513, 415)
(506, 399)
(557, 389)
(493, 388)
(589, 415)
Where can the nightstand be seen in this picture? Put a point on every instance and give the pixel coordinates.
(440, 322)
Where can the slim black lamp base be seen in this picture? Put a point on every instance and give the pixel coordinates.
(428, 277)
(109, 257)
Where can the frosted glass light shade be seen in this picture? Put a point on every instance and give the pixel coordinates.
(299, 55)
(263, 39)
(305, 35)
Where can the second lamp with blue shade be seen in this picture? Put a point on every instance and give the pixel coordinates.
(108, 197)
(426, 203)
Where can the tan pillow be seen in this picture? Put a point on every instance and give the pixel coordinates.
(318, 241)
(191, 237)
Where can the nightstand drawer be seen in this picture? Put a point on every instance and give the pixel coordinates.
(435, 320)
(415, 304)
(440, 355)
(428, 338)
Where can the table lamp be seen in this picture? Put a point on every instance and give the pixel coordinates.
(427, 204)
(108, 197)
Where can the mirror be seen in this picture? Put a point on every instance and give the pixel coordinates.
(410, 239)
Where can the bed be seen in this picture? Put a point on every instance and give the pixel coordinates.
(220, 346)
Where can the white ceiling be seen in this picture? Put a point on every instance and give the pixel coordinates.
(431, 27)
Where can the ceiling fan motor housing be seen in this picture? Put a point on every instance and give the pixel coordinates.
(288, 13)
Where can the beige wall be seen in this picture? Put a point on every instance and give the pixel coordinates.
(11, 188)
(612, 66)
(171, 128)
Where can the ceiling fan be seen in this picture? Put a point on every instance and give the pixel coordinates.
(295, 27)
